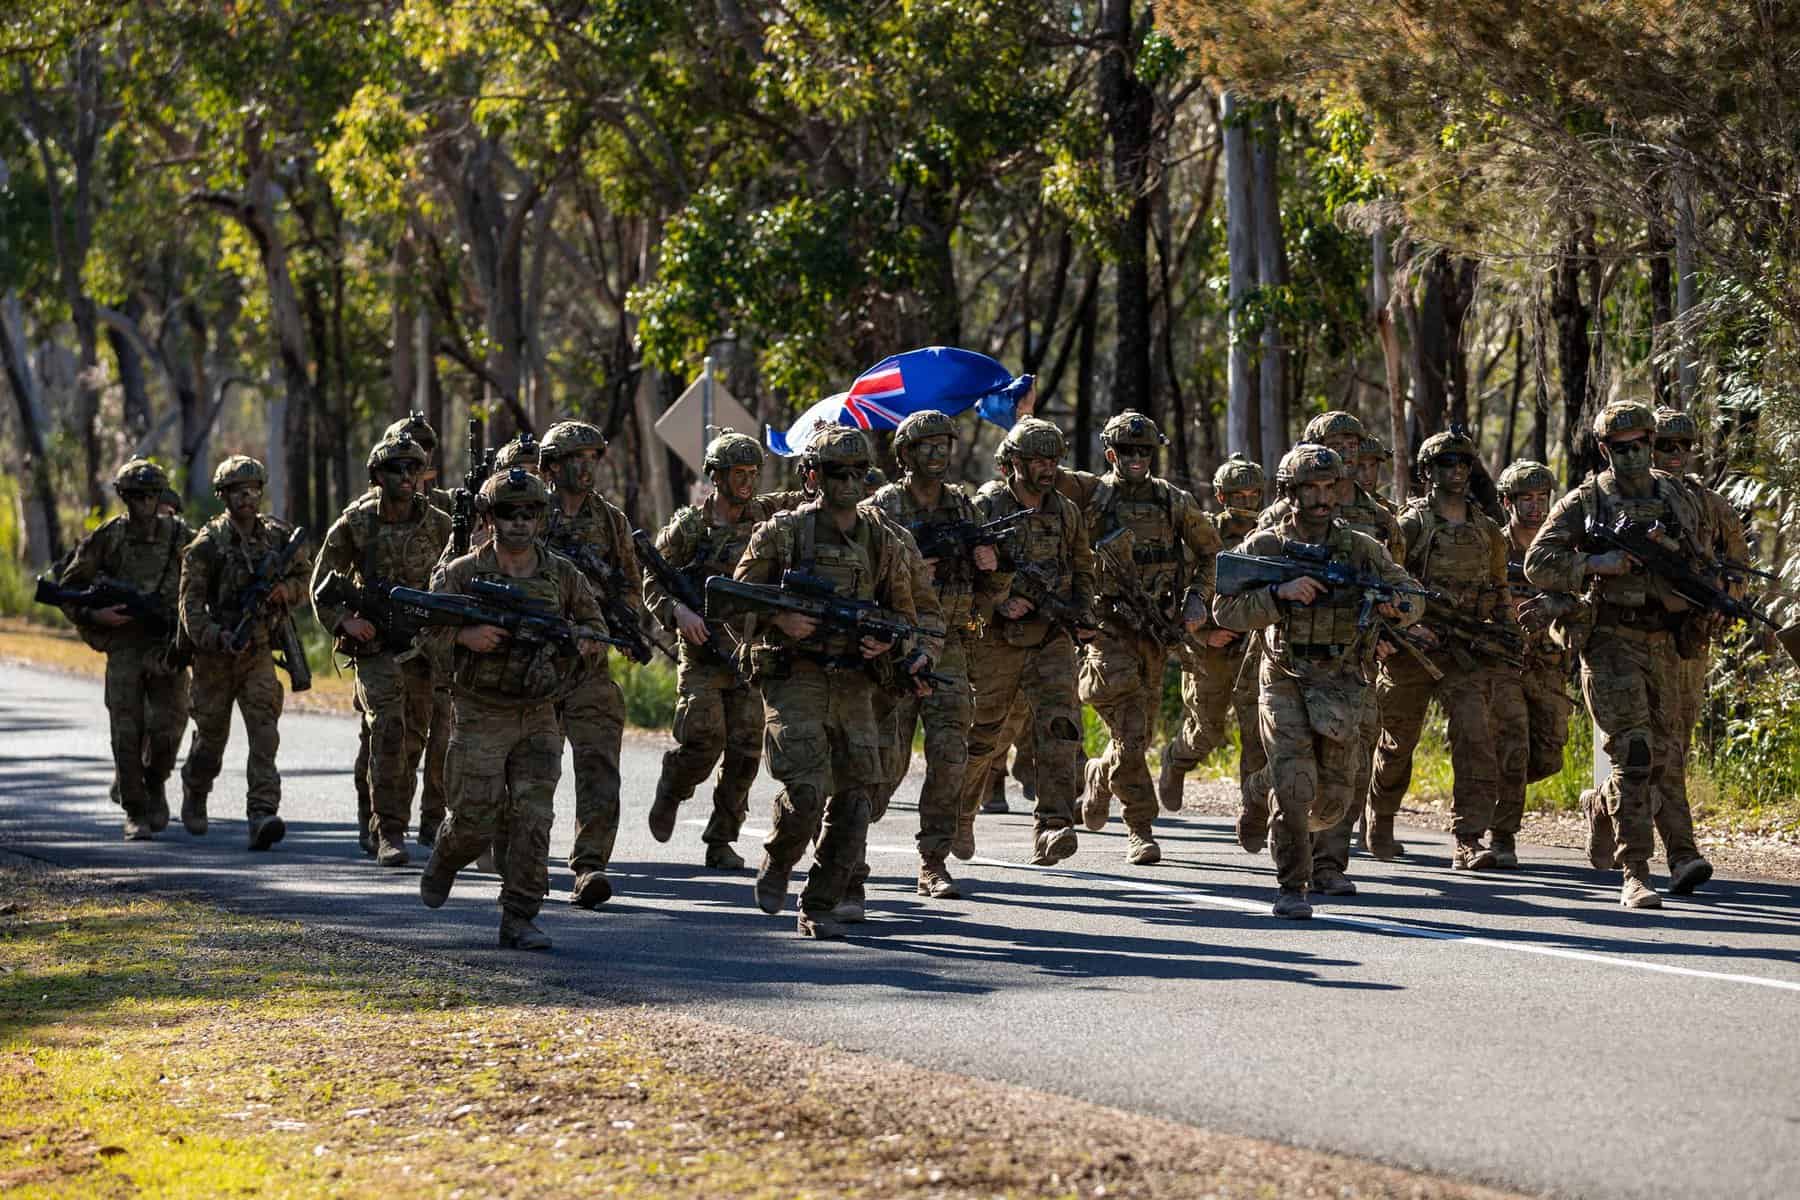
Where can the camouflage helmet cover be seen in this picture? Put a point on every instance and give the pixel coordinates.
(1375, 448)
(415, 426)
(515, 485)
(732, 449)
(1032, 437)
(1309, 462)
(921, 425)
(522, 450)
(1237, 474)
(396, 448)
(1526, 475)
(170, 497)
(239, 468)
(1623, 416)
(1132, 428)
(570, 437)
(140, 475)
(1336, 423)
(838, 444)
(1447, 442)
(1673, 423)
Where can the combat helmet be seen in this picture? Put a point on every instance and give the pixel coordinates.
(1673, 423)
(415, 426)
(1450, 441)
(521, 451)
(140, 476)
(570, 437)
(1308, 462)
(239, 468)
(921, 425)
(1132, 428)
(1033, 437)
(395, 449)
(1336, 423)
(732, 449)
(1526, 475)
(1623, 416)
(1237, 474)
(1375, 448)
(513, 486)
(838, 444)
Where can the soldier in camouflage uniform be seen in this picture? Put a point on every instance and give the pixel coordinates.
(1631, 691)
(521, 451)
(1721, 537)
(822, 740)
(1454, 548)
(391, 536)
(220, 562)
(1023, 652)
(146, 694)
(1214, 678)
(1163, 543)
(1372, 458)
(1531, 707)
(506, 739)
(921, 499)
(592, 532)
(1313, 667)
(716, 712)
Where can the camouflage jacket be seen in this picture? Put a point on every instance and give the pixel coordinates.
(219, 563)
(374, 552)
(598, 535)
(515, 674)
(149, 565)
(952, 583)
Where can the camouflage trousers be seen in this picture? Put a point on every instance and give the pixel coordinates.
(395, 701)
(1213, 684)
(1331, 848)
(1121, 675)
(147, 708)
(1674, 816)
(946, 714)
(1044, 677)
(1310, 721)
(437, 742)
(716, 716)
(247, 680)
(823, 746)
(503, 765)
(1530, 717)
(1633, 697)
(1402, 694)
(593, 720)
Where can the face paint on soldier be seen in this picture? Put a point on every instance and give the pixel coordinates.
(1529, 509)
(1628, 454)
(1368, 474)
(1315, 502)
(399, 481)
(841, 484)
(1132, 462)
(929, 458)
(141, 507)
(1038, 475)
(1450, 474)
(1672, 454)
(516, 525)
(575, 473)
(738, 484)
(242, 500)
(1242, 502)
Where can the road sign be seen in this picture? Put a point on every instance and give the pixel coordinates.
(683, 426)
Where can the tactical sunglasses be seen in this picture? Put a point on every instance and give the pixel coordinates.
(1453, 460)
(842, 471)
(1617, 447)
(1673, 445)
(401, 469)
(1132, 451)
(515, 512)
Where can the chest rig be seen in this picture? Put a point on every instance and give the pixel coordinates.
(1454, 557)
(1148, 516)
(954, 579)
(394, 552)
(847, 562)
(719, 547)
(1327, 627)
(517, 671)
(1601, 500)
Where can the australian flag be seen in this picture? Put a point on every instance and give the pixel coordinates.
(936, 378)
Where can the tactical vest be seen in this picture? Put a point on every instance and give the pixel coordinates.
(1148, 517)
(396, 553)
(1541, 650)
(954, 579)
(1364, 515)
(516, 672)
(235, 563)
(152, 567)
(717, 548)
(1454, 558)
(1040, 541)
(1667, 506)
(1325, 627)
(849, 565)
(592, 527)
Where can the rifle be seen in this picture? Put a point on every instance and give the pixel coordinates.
(609, 589)
(810, 596)
(105, 592)
(284, 639)
(503, 605)
(1239, 573)
(371, 603)
(1031, 582)
(1492, 640)
(682, 588)
(1133, 602)
(954, 539)
(462, 501)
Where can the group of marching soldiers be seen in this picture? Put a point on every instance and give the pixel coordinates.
(821, 627)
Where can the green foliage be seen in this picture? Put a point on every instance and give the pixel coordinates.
(649, 691)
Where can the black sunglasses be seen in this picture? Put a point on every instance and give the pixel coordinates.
(400, 469)
(841, 471)
(514, 512)
(1616, 447)
(1453, 460)
(1673, 445)
(1132, 451)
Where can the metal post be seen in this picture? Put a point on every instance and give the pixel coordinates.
(706, 407)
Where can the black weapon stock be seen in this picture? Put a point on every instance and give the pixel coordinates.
(104, 592)
(1031, 582)
(371, 603)
(683, 590)
(489, 602)
(249, 603)
(462, 501)
(1239, 573)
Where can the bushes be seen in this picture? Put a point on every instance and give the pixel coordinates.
(649, 691)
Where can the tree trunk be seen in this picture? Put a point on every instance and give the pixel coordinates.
(43, 533)
(1459, 296)
(132, 384)
(1662, 313)
(1084, 386)
(1127, 105)
(1516, 395)
(1430, 343)
(1271, 271)
(1572, 352)
(653, 470)
(1687, 371)
(1383, 299)
(1242, 415)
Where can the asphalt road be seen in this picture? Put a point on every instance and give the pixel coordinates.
(1516, 1029)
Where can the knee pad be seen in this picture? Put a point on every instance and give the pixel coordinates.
(1635, 762)
(1063, 729)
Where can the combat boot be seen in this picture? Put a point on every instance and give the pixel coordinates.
(849, 911)
(935, 881)
(193, 812)
(1601, 845)
(1330, 881)
(962, 843)
(996, 801)
(1687, 876)
(1141, 849)
(435, 883)
(1378, 839)
(1051, 846)
(663, 810)
(156, 813)
(721, 857)
(428, 832)
(1291, 903)
(1471, 855)
(1096, 804)
(771, 887)
(521, 933)
(137, 829)
(266, 830)
(390, 849)
(591, 890)
(1170, 784)
(823, 926)
(1252, 830)
(1636, 891)
(1506, 851)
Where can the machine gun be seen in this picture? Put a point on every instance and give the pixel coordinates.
(955, 539)
(1651, 547)
(372, 604)
(462, 501)
(683, 590)
(609, 589)
(104, 592)
(1132, 601)
(503, 605)
(284, 639)
(1032, 582)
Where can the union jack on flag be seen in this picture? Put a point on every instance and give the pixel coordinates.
(937, 378)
